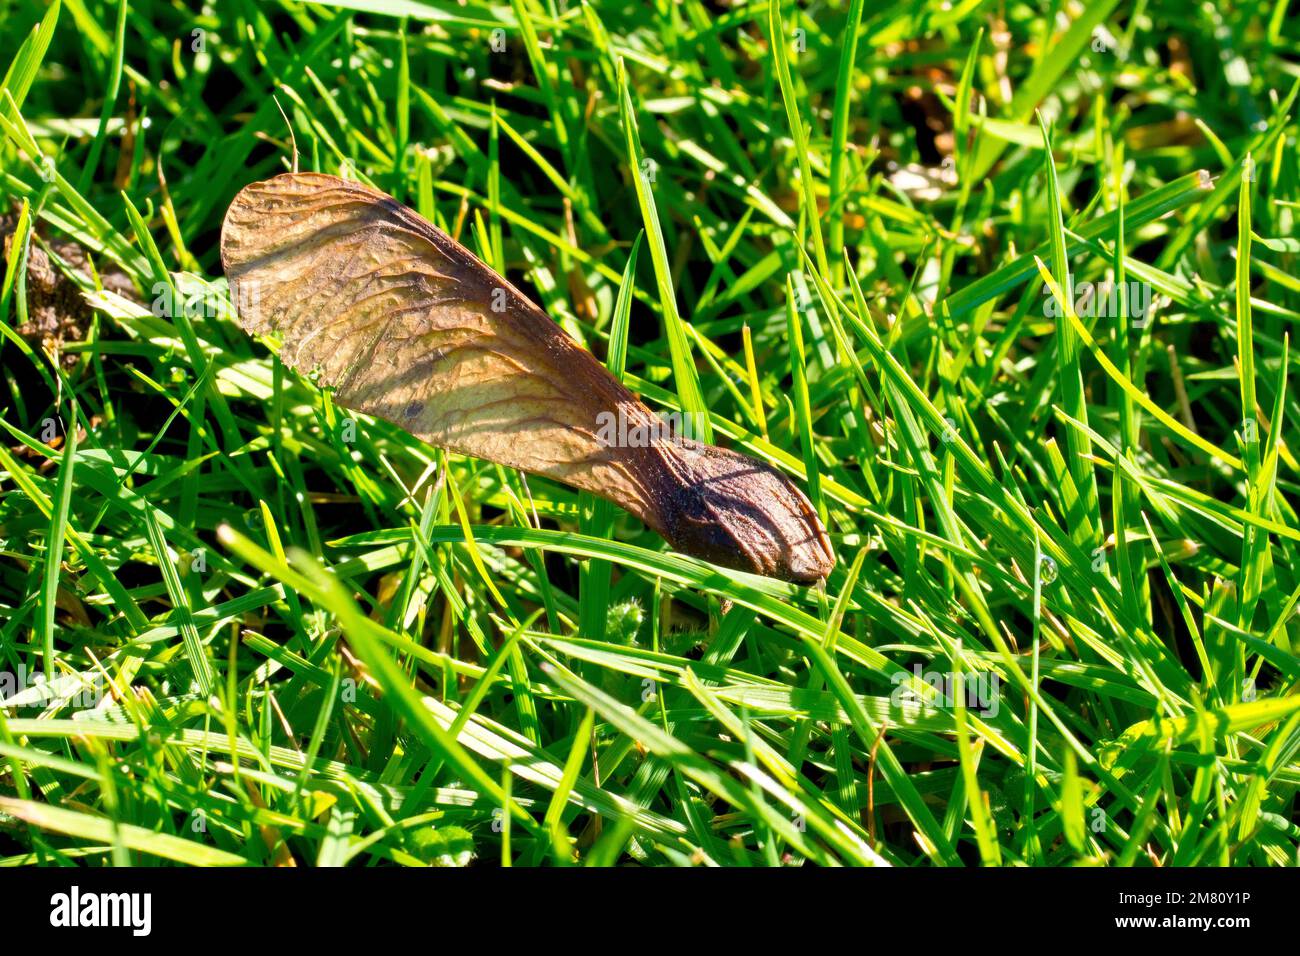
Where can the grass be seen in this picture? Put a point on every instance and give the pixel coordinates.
(240, 625)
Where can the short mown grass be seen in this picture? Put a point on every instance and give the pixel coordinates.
(240, 624)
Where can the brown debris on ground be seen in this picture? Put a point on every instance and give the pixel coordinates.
(56, 310)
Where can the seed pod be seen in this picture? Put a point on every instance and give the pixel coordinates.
(407, 325)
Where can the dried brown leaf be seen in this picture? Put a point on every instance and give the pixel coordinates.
(407, 325)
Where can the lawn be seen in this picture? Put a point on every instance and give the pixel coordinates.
(1005, 288)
